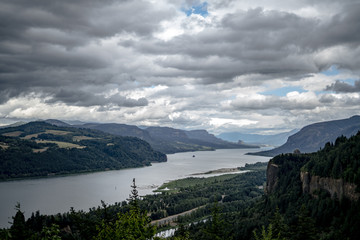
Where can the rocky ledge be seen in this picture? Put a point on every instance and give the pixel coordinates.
(271, 177)
(337, 188)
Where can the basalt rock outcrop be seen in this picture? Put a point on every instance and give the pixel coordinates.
(337, 188)
(271, 177)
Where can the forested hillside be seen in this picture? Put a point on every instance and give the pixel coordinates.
(338, 160)
(287, 211)
(41, 149)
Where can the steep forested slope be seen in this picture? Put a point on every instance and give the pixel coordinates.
(334, 216)
(338, 160)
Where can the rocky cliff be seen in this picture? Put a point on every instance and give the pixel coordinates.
(271, 177)
(336, 187)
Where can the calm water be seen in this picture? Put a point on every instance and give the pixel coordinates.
(58, 194)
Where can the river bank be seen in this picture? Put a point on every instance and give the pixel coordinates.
(58, 194)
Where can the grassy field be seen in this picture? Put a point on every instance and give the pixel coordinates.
(259, 166)
(40, 150)
(28, 137)
(57, 132)
(3, 145)
(79, 138)
(62, 144)
(176, 185)
(13, 134)
(35, 135)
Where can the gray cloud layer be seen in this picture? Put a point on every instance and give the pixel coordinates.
(258, 41)
(92, 53)
(343, 87)
(43, 43)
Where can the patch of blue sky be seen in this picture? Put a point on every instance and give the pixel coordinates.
(350, 81)
(332, 71)
(281, 92)
(200, 9)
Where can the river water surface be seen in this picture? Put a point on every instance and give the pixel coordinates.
(83, 191)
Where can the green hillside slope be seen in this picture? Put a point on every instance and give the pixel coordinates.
(42, 149)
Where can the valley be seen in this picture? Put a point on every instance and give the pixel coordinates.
(215, 193)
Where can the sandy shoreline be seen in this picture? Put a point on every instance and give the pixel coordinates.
(221, 170)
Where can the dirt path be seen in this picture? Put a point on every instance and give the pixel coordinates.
(171, 219)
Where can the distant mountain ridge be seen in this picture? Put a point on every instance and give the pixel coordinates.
(13, 125)
(273, 139)
(166, 139)
(118, 129)
(57, 123)
(313, 137)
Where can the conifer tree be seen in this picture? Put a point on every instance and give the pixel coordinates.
(266, 235)
(133, 225)
(216, 229)
(18, 229)
(134, 197)
(51, 233)
(279, 227)
(305, 228)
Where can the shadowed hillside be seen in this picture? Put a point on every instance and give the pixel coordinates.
(313, 137)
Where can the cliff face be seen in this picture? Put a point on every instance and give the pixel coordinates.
(336, 187)
(271, 177)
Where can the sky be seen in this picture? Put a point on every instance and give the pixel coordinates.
(259, 66)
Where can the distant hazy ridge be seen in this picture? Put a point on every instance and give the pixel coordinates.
(313, 137)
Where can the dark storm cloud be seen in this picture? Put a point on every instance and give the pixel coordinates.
(86, 18)
(343, 27)
(259, 41)
(44, 43)
(66, 52)
(343, 87)
(6, 94)
(254, 41)
(81, 98)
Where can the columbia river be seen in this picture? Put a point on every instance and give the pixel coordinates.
(83, 191)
